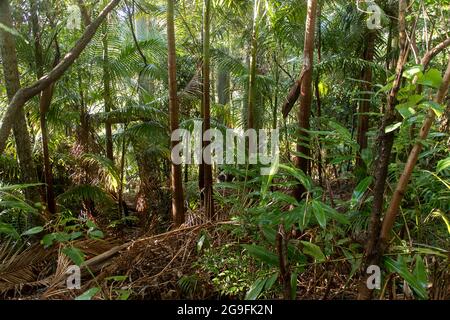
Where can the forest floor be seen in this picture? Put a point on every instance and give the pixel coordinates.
(150, 266)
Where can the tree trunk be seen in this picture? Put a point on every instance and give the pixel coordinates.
(208, 185)
(364, 106)
(17, 121)
(176, 178)
(252, 66)
(385, 143)
(107, 98)
(223, 86)
(306, 95)
(392, 211)
(317, 91)
(44, 104)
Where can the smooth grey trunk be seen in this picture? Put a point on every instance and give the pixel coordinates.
(18, 122)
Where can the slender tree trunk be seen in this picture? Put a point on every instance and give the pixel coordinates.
(275, 103)
(364, 106)
(385, 143)
(122, 174)
(176, 178)
(252, 70)
(317, 91)
(208, 185)
(44, 104)
(18, 121)
(392, 211)
(306, 94)
(223, 86)
(107, 97)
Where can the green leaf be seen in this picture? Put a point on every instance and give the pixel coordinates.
(436, 107)
(420, 272)
(97, 234)
(123, 294)
(270, 281)
(431, 78)
(75, 235)
(360, 189)
(401, 268)
(411, 72)
(91, 224)
(443, 164)
(48, 239)
(14, 32)
(319, 213)
(293, 285)
(8, 229)
(313, 250)
(333, 214)
(392, 127)
(340, 159)
(75, 254)
(89, 294)
(262, 254)
(117, 278)
(405, 110)
(200, 243)
(302, 214)
(300, 175)
(61, 236)
(255, 289)
(283, 197)
(32, 231)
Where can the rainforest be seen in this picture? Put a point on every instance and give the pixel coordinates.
(224, 150)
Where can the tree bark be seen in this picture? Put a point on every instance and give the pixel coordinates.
(252, 68)
(306, 95)
(364, 106)
(176, 178)
(385, 143)
(392, 211)
(208, 185)
(25, 94)
(107, 97)
(44, 104)
(17, 121)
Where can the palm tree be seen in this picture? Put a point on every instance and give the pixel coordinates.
(176, 181)
(208, 183)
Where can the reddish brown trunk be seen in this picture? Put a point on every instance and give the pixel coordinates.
(364, 106)
(176, 178)
(385, 143)
(208, 185)
(306, 95)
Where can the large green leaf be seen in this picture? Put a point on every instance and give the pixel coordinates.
(255, 289)
(32, 231)
(443, 164)
(313, 250)
(431, 78)
(436, 107)
(75, 254)
(8, 229)
(319, 213)
(359, 191)
(401, 269)
(262, 254)
(89, 294)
